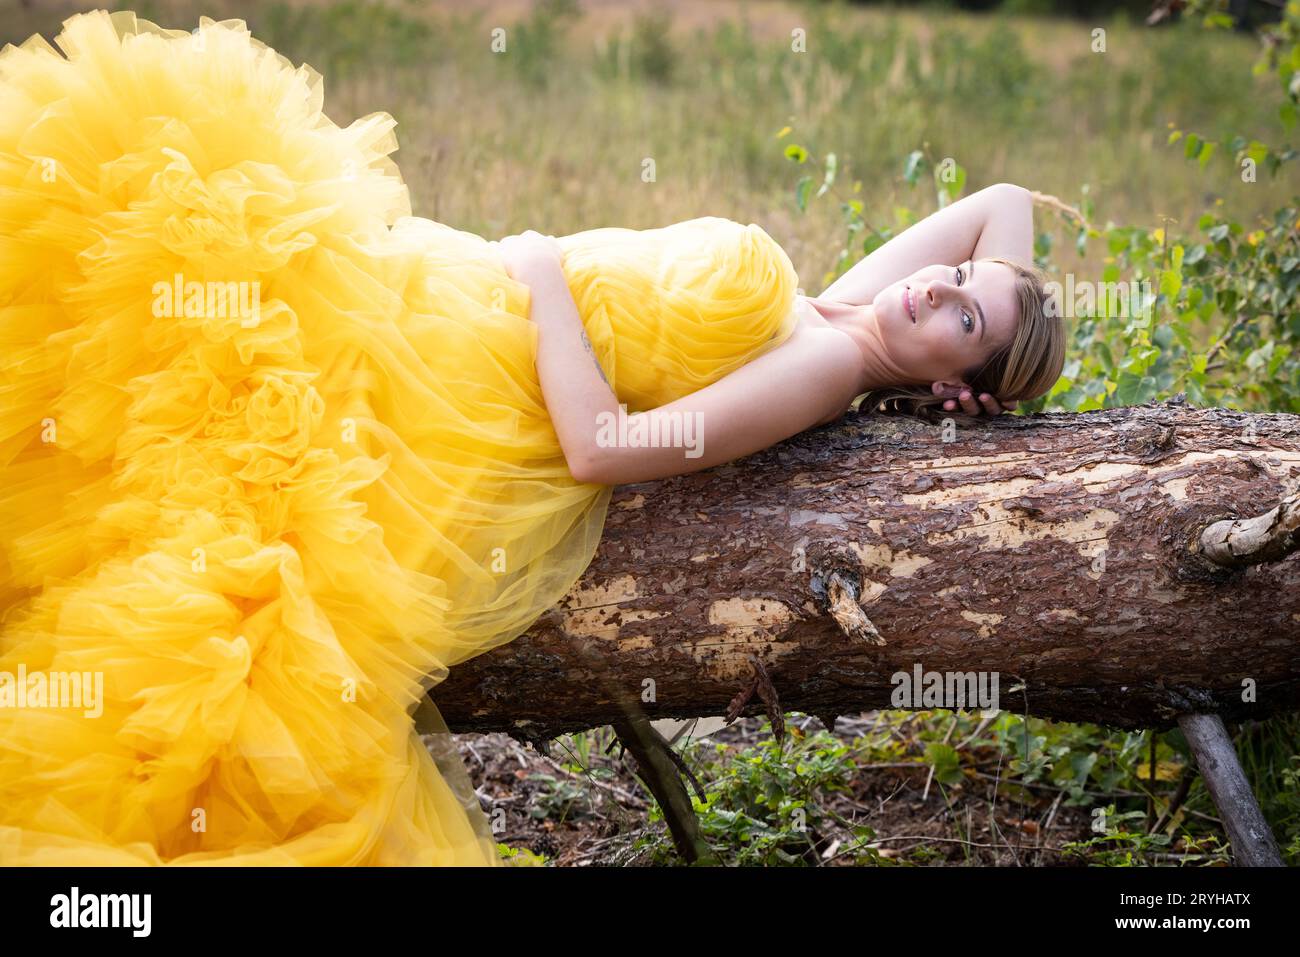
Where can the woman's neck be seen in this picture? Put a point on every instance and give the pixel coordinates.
(858, 322)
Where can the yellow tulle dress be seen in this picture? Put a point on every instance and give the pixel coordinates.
(274, 455)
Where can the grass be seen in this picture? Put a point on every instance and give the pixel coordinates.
(894, 788)
(554, 132)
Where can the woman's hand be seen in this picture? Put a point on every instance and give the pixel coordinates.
(529, 254)
(971, 407)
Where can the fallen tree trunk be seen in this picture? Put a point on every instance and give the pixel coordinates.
(1076, 555)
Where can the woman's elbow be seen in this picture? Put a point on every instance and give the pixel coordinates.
(1011, 193)
(587, 469)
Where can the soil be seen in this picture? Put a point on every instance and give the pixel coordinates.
(976, 822)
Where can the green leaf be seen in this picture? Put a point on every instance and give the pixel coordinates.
(796, 153)
(801, 191)
(1192, 148)
(1134, 390)
(912, 166)
(904, 216)
(1280, 354)
(947, 766)
(1260, 356)
(829, 180)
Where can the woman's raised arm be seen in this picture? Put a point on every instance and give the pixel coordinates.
(996, 221)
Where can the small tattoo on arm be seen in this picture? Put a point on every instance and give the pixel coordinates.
(592, 352)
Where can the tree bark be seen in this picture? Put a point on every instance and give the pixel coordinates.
(1060, 551)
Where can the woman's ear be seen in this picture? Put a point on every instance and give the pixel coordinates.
(950, 388)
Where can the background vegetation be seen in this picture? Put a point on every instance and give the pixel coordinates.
(1145, 142)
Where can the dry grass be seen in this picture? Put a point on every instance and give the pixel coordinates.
(492, 148)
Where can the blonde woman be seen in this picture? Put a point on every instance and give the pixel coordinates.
(948, 311)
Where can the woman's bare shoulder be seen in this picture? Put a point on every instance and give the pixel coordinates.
(809, 318)
(814, 332)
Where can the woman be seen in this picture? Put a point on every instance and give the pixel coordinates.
(276, 455)
(894, 330)
(942, 310)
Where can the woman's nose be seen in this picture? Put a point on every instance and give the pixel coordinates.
(936, 290)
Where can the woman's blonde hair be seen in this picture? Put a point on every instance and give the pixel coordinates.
(1026, 368)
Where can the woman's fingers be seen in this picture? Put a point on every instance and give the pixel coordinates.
(991, 405)
(996, 407)
(968, 403)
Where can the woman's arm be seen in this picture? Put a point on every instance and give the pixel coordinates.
(808, 379)
(996, 221)
(573, 383)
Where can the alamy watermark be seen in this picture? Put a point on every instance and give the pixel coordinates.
(53, 689)
(208, 300)
(652, 429)
(1088, 300)
(953, 690)
(75, 909)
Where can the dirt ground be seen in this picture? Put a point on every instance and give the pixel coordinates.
(977, 823)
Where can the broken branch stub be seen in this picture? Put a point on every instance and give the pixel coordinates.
(1269, 537)
(853, 621)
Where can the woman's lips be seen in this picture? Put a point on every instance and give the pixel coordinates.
(909, 304)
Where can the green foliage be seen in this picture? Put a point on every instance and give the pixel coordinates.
(520, 856)
(342, 38)
(1122, 840)
(992, 71)
(558, 799)
(764, 804)
(536, 43)
(1225, 323)
(1286, 801)
(1270, 756)
(1214, 312)
(643, 53)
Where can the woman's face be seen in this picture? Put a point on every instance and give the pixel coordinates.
(943, 321)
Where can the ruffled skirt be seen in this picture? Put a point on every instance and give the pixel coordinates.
(274, 455)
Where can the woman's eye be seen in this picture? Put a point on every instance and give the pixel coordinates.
(959, 276)
(967, 321)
